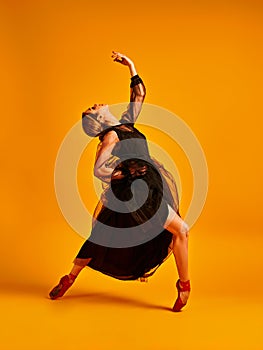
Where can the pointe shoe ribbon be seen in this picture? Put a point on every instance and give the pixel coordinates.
(64, 284)
(181, 287)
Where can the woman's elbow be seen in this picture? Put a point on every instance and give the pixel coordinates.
(97, 173)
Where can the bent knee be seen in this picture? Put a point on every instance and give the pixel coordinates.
(184, 229)
(175, 224)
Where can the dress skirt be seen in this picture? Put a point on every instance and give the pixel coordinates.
(153, 244)
(128, 240)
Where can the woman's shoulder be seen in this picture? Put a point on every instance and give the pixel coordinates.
(109, 134)
(124, 127)
(120, 130)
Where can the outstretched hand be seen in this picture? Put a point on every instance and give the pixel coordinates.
(119, 57)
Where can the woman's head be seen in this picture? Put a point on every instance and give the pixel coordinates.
(97, 118)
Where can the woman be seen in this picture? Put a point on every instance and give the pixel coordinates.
(135, 228)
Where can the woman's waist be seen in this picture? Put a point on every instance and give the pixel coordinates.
(133, 167)
(132, 155)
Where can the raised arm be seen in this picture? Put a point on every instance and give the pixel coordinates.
(137, 89)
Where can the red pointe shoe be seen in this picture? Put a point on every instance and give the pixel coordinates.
(64, 284)
(181, 287)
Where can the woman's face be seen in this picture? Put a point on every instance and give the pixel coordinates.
(102, 114)
(99, 110)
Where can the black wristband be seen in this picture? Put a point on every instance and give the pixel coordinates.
(135, 77)
(135, 80)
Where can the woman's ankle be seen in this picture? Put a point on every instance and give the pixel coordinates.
(72, 277)
(184, 281)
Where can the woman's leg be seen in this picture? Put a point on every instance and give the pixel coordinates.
(66, 281)
(79, 266)
(180, 231)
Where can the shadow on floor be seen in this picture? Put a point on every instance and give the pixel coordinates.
(110, 298)
(92, 297)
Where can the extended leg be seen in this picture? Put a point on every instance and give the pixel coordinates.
(66, 281)
(79, 265)
(180, 232)
(179, 229)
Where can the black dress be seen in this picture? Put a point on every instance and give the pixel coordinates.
(127, 240)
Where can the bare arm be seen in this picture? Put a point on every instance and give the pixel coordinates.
(137, 89)
(103, 154)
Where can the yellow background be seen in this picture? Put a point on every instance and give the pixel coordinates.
(201, 60)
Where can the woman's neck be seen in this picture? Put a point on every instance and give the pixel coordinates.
(112, 120)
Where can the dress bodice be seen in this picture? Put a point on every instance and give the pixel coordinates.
(132, 143)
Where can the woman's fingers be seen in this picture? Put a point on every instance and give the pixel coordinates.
(117, 53)
(118, 175)
(117, 56)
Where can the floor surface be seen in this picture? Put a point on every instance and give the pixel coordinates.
(101, 313)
